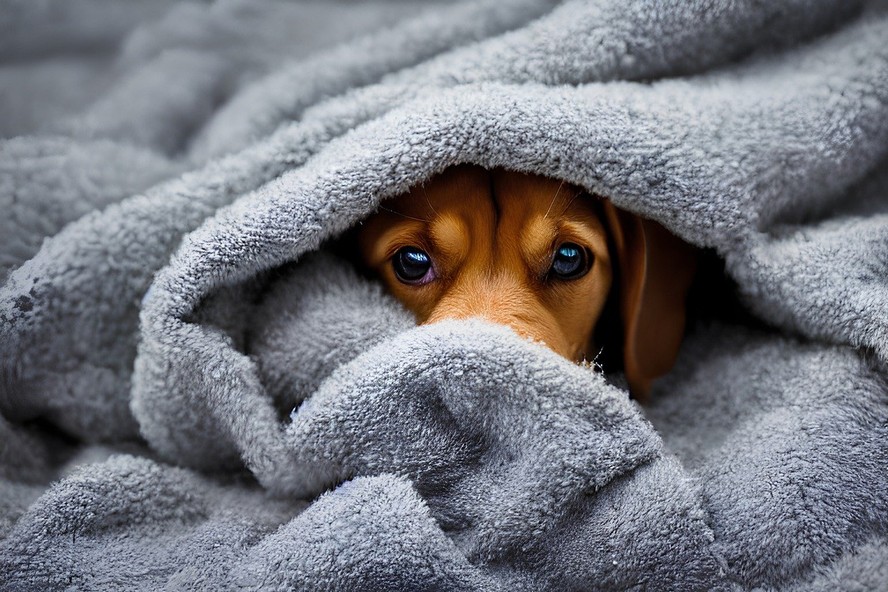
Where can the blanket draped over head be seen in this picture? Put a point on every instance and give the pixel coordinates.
(197, 394)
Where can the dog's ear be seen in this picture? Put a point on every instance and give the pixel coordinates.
(655, 270)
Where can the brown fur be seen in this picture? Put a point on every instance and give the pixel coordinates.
(492, 236)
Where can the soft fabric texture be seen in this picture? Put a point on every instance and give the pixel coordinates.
(197, 392)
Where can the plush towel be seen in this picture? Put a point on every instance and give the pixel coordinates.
(197, 393)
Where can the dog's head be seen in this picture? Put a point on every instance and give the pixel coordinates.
(538, 255)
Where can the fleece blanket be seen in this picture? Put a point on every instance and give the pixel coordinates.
(197, 393)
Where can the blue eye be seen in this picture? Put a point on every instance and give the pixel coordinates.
(412, 265)
(571, 262)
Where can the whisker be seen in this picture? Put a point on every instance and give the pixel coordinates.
(570, 203)
(381, 207)
(428, 201)
(555, 197)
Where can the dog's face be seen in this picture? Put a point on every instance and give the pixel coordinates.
(535, 254)
(520, 250)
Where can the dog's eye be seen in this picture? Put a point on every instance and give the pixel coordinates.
(412, 265)
(571, 261)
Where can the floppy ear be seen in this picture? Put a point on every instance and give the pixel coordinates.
(655, 270)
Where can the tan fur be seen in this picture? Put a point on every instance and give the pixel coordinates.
(492, 236)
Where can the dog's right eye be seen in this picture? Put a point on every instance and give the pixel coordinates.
(571, 261)
(413, 265)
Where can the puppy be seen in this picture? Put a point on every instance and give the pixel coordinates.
(540, 256)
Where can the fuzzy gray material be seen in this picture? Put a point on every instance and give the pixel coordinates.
(196, 394)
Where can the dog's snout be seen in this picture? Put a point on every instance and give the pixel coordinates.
(502, 306)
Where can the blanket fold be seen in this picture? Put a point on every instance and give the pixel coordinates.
(196, 393)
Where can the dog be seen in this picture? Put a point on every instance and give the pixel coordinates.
(556, 264)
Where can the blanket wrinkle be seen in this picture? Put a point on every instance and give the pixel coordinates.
(51, 182)
(617, 48)
(200, 391)
(294, 87)
(212, 51)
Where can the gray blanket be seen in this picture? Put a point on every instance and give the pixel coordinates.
(196, 394)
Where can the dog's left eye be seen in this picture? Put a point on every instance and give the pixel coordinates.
(571, 261)
(412, 265)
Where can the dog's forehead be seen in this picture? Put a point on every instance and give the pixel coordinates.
(457, 188)
(465, 188)
(531, 192)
